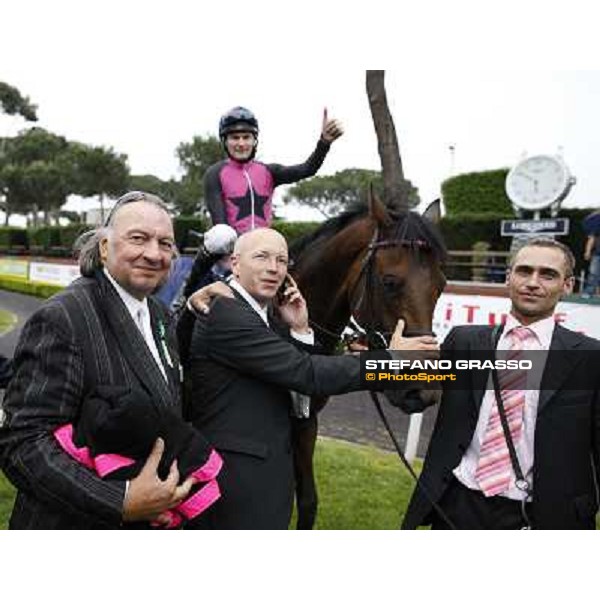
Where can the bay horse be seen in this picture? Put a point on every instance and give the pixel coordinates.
(372, 264)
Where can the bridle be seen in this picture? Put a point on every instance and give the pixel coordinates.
(370, 280)
(379, 340)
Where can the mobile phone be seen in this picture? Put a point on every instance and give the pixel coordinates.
(281, 298)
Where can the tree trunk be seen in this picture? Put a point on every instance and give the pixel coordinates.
(101, 198)
(396, 192)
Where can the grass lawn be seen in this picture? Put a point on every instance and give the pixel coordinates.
(359, 488)
(7, 496)
(7, 320)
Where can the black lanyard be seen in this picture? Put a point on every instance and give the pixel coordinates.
(521, 482)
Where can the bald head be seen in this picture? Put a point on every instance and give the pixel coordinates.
(248, 241)
(259, 263)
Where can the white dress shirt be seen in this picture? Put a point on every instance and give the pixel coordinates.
(142, 321)
(305, 338)
(465, 472)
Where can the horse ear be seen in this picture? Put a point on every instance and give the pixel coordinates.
(433, 212)
(377, 210)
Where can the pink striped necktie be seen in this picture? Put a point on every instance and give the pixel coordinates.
(494, 469)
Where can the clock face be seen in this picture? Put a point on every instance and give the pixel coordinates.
(537, 182)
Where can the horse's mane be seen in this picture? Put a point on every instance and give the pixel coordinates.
(328, 229)
(409, 227)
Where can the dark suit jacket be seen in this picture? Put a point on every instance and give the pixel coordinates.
(567, 433)
(5, 371)
(239, 373)
(81, 338)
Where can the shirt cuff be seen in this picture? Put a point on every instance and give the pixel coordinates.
(305, 338)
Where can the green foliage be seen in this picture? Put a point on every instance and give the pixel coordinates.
(188, 200)
(462, 232)
(39, 169)
(151, 184)
(32, 176)
(478, 193)
(69, 233)
(35, 144)
(195, 158)
(292, 230)
(182, 225)
(13, 103)
(332, 194)
(44, 238)
(178, 194)
(13, 236)
(42, 290)
(96, 170)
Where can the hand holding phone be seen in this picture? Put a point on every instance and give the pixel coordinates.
(281, 297)
(292, 306)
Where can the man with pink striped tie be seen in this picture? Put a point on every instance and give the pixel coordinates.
(536, 461)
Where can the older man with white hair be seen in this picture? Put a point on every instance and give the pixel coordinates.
(104, 331)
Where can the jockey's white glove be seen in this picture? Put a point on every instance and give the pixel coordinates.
(220, 239)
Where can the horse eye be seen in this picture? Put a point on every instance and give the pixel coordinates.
(391, 285)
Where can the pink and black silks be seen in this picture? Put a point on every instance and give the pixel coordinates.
(116, 432)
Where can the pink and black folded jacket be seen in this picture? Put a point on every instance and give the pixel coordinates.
(115, 434)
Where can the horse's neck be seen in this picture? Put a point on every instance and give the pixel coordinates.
(325, 284)
(328, 309)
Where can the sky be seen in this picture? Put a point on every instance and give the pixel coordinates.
(142, 82)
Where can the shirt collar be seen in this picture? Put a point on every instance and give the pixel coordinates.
(543, 329)
(262, 312)
(132, 304)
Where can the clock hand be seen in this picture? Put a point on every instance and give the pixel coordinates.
(526, 176)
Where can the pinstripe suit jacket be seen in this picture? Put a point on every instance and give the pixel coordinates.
(81, 338)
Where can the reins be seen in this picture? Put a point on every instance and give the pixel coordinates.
(378, 340)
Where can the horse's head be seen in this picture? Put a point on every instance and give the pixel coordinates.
(399, 273)
(373, 264)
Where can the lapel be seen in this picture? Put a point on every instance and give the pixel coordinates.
(247, 304)
(560, 363)
(483, 344)
(166, 346)
(132, 345)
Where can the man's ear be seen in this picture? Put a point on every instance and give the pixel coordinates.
(103, 248)
(569, 285)
(235, 264)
